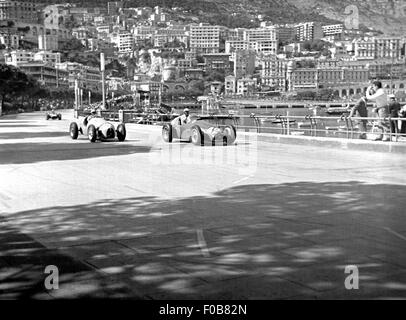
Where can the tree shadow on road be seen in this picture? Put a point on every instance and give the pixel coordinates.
(281, 241)
(30, 135)
(33, 152)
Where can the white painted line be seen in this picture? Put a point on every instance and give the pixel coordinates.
(395, 233)
(242, 180)
(202, 243)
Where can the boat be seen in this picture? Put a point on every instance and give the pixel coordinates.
(337, 110)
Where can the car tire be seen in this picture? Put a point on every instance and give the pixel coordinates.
(232, 133)
(47, 117)
(167, 133)
(197, 136)
(121, 132)
(59, 117)
(91, 133)
(225, 141)
(74, 130)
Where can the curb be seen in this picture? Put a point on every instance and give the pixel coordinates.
(335, 143)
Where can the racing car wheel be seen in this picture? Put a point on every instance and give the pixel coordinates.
(121, 132)
(91, 133)
(167, 132)
(74, 130)
(197, 136)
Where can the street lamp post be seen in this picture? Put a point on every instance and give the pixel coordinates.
(102, 64)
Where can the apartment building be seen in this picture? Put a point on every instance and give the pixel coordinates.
(333, 31)
(10, 38)
(273, 71)
(378, 48)
(18, 11)
(124, 41)
(217, 61)
(205, 38)
(244, 63)
(309, 31)
(18, 57)
(46, 74)
(89, 78)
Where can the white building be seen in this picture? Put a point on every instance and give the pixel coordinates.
(308, 31)
(205, 38)
(124, 41)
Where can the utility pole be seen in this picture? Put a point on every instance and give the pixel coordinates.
(102, 68)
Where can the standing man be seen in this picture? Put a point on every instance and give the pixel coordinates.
(376, 93)
(361, 108)
(394, 108)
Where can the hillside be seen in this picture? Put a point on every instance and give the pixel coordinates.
(388, 16)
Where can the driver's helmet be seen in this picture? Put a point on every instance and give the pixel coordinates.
(93, 111)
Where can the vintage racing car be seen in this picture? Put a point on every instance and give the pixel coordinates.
(53, 115)
(201, 130)
(97, 128)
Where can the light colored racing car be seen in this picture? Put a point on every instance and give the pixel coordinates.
(201, 130)
(53, 115)
(97, 128)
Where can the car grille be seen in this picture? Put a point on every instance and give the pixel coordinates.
(110, 133)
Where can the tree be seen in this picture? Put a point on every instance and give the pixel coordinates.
(13, 83)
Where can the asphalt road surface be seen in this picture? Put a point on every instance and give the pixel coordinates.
(151, 220)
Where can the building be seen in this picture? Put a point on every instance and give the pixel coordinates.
(217, 61)
(273, 72)
(388, 47)
(333, 31)
(48, 42)
(10, 38)
(205, 38)
(170, 34)
(18, 11)
(81, 33)
(246, 86)
(377, 48)
(244, 63)
(285, 33)
(124, 41)
(89, 78)
(113, 7)
(194, 74)
(230, 85)
(19, 57)
(308, 31)
(325, 77)
(262, 39)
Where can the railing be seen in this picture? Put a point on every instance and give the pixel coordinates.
(318, 125)
(310, 125)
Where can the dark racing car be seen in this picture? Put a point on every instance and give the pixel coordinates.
(53, 115)
(201, 130)
(97, 128)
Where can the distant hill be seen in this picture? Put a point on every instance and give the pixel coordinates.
(388, 16)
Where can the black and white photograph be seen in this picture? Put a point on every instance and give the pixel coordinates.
(213, 151)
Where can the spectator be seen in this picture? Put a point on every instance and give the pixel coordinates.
(376, 93)
(402, 114)
(394, 108)
(360, 107)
